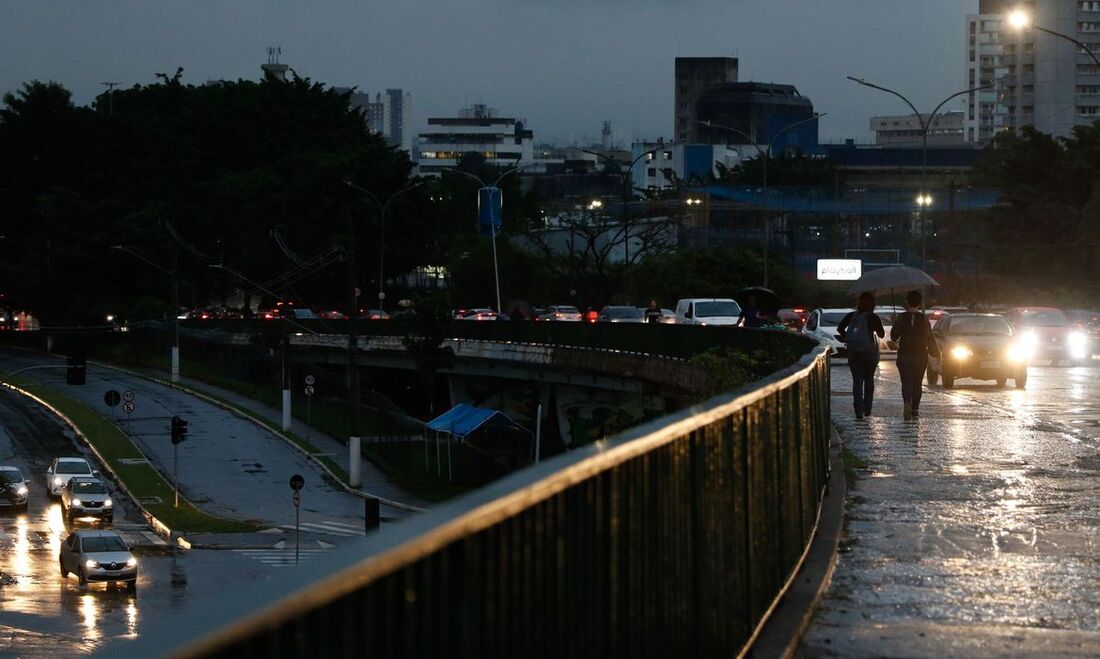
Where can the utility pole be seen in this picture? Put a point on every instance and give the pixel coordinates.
(354, 457)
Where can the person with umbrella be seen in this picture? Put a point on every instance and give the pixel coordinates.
(860, 332)
(758, 306)
(913, 334)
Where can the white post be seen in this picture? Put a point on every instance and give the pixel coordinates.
(175, 364)
(538, 432)
(355, 463)
(286, 409)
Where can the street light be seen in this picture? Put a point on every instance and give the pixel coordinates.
(765, 155)
(925, 124)
(174, 274)
(492, 228)
(1021, 20)
(383, 208)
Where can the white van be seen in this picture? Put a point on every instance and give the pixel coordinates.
(707, 311)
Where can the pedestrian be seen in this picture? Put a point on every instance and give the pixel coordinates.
(913, 334)
(653, 312)
(858, 331)
(750, 315)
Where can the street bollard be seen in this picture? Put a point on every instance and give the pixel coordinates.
(373, 513)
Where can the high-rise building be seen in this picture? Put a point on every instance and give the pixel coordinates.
(502, 141)
(695, 75)
(946, 128)
(398, 113)
(762, 111)
(1039, 79)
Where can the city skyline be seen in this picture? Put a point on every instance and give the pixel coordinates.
(563, 66)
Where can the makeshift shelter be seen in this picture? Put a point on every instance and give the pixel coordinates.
(491, 432)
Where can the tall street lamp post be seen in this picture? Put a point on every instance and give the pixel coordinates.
(383, 208)
(174, 274)
(924, 198)
(492, 228)
(1021, 20)
(765, 155)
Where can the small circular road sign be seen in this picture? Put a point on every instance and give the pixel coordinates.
(310, 380)
(128, 407)
(309, 390)
(297, 482)
(112, 398)
(128, 396)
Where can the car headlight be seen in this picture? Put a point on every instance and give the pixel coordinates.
(77, 502)
(131, 562)
(57, 481)
(1078, 343)
(962, 353)
(107, 503)
(1019, 352)
(22, 491)
(91, 563)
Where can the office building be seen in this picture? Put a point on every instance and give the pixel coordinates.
(759, 113)
(502, 141)
(946, 128)
(387, 115)
(694, 76)
(1037, 79)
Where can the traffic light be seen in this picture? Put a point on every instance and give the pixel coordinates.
(77, 369)
(179, 430)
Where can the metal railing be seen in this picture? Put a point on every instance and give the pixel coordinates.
(673, 539)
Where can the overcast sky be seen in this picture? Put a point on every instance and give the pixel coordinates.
(564, 65)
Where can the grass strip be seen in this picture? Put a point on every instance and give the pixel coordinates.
(141, 479)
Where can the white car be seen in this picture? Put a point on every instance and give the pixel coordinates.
(13, 488)
(707, 311)
(62, 470)
(84, 496)
(562, 313)
(98, 556)
(821, 324)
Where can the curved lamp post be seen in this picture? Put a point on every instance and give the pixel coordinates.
(1021, 20)
(765, 155)
(383, 208)
(924, 199)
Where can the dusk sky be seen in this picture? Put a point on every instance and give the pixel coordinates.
(564, 65)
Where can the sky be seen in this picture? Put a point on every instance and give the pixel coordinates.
(563, 65)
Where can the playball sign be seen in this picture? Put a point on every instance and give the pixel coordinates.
(839, 269)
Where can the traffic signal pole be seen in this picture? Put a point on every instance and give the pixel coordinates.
(176, 473)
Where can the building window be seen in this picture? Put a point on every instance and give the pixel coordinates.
(651, 172)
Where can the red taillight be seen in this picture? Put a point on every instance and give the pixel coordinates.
(799, 310)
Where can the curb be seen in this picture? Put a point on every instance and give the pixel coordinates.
(158, 526)
(238, 412)
(792, 617)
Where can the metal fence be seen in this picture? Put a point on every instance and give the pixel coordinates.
(673, 539)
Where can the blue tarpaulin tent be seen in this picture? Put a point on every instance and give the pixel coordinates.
(462, 419)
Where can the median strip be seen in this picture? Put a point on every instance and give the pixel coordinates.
(126, 464)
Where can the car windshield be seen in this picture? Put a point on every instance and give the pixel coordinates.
(10, 477)
(623, 312)
(1044, 319)
(833, 318)
(717, 308)
(994, 326)
(73, 467)
(89, 488)
(100, 543)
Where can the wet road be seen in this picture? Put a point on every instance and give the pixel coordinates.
(973, 531)
(42, 614)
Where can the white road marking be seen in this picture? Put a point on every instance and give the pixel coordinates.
(280, 557)
(329, 528)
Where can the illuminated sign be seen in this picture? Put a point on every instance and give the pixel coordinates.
(839, 269)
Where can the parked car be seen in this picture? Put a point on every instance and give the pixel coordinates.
(98, 555)
(84, 496)
(62, 469)
(561, 312)
(978, 346)
(621, 314)
(821, 325)
(1051, 334)
(707, 311)
(14, 489)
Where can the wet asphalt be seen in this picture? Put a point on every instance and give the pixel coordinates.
(973, 531)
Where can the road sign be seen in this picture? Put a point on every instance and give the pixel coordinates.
(309, 390)
(297, 499)
(297, 482)
(112, 398)
(128, 407)
(310, 380)
(128, 396)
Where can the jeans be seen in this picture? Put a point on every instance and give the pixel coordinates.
(863, 380)
(911, 371)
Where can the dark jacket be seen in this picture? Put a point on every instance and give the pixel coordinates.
(913, 333)
(874, 323)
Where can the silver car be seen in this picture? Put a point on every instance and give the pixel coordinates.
(13, 488)
(62, 469)
(98, 556)
(84, 496)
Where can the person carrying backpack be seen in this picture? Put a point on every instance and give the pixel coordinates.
(913, 333)
(860, 332)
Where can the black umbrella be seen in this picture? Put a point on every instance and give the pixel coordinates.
(766, 299)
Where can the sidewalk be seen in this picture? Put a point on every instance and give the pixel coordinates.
(971, 532)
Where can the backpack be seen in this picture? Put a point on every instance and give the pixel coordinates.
(859, 338)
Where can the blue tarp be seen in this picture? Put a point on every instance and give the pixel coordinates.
(462, 419)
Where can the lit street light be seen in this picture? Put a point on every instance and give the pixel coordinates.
(1021, 20)
(765, 155)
